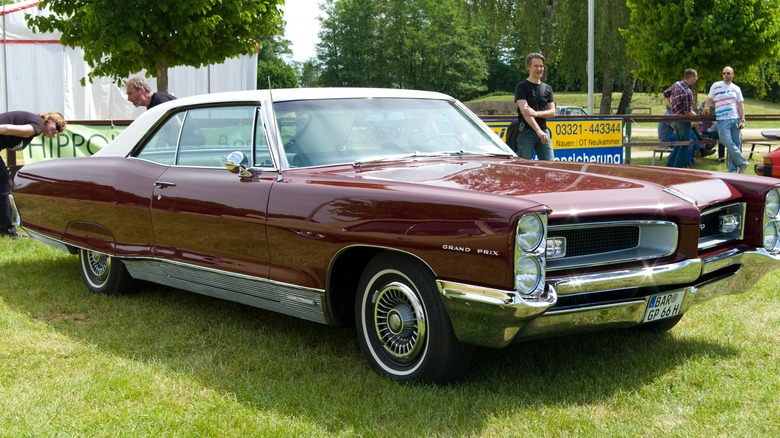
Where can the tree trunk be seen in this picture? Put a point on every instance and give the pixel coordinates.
(546, 19)
(162, 76)
(628, 94)
(606, 91)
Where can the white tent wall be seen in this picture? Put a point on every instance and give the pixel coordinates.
(38, 74)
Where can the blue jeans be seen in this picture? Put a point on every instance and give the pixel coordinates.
(528, 143)
(675, 155)
(681, 156)
(731, 137)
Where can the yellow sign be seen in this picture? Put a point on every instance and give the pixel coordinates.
(577, 134)
(577, 140)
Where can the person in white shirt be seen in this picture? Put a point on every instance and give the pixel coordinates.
(730, 115)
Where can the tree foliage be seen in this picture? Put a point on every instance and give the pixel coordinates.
(270, 65)
(121, 38)
(424, 44)
(666, 37)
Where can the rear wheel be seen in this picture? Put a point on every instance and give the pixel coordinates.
(103, 274)
(402, 326)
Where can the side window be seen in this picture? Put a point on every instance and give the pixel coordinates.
(210, 134)
(205, 136)
(161, 148)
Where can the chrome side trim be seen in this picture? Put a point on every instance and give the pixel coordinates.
(16, 218)
(284, 298)
(48, 240)
(287, 299)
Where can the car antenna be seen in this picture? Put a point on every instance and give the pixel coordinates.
(276, 151)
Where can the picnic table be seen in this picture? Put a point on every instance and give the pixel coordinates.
(772, 134)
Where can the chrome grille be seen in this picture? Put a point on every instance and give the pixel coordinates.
(592, 244)
(587, 241)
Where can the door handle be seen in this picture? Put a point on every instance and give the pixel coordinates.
(164, 184)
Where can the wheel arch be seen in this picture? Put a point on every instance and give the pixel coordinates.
(91, 236)
(344, 275)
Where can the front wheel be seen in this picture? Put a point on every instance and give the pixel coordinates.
(403, 328)
(103, 274)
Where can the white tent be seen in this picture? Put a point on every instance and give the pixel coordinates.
(38, 74)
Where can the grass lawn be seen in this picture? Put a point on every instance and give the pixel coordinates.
(163, 362)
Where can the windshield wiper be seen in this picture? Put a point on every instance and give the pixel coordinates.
(416, 154)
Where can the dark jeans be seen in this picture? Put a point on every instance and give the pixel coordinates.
(528, 143)
(6, 214)
(682, 156)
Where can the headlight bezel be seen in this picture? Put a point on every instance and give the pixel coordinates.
(530, 248)
(770, 232)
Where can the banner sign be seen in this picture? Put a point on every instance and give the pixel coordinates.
(579, 140)
(76, 141)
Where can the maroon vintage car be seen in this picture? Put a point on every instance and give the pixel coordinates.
(401, 213)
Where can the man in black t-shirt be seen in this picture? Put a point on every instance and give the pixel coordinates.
(17, 129)
(535, 105)
(140, 93)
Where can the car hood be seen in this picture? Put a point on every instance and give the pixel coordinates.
(567, 188)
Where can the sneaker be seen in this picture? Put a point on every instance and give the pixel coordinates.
(742, 169)
(721, 160)
(707, 152)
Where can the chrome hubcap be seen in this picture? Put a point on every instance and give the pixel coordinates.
(400, 321)
(98, 265)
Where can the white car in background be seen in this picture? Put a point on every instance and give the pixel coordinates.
(570, 111)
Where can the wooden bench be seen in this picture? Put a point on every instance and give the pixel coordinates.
(762, 143)
(660, 151)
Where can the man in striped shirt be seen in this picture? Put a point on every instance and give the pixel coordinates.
(679, 99)
(730, 114)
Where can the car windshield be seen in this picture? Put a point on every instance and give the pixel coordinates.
(319, 132)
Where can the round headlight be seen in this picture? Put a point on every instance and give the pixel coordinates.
(530, 232)
(772, 206)
(527, 275)
(770, 237)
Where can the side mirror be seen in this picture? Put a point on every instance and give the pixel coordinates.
(237, 162)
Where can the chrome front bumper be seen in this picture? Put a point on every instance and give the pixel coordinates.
(496, 318)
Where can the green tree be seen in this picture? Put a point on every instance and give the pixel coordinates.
(349, 49)
(425, 44)
(310, 73)
(270, 65)
(665, 37)
(120, 38)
